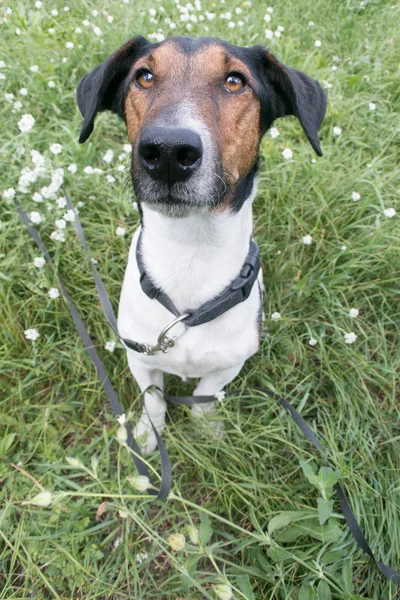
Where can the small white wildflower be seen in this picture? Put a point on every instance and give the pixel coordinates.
(312, 341)
(140, 482)
(389, 212)
(334, 68)
(343, 248)
(135, 206)
(117, 542)
(120, 231)
(122, 434)
(39, 262)
(354, 312)
(287, 153)
(2, 76)
(43, 499)
(66, 8)
(110, 178)
(109, 155)
(35, 217)
(311, 23)
(140, 557)
(26, 123)
(224, 592)
(152, 12)
(51, 30)
(269, 34)
(317, 43)
(88, 170)
(97, 30)
(9, 194)
(270, 9)
(372, 106)
(2, 64)
(78, 30)
(74, 462)
(54, 293)
(350, 338)
(337, 131)
(69, 216)
(72, 168)
(110, 346)
(176, 541)
(31, 334)
(307, 240)
(220, 396)
(355, 196)
(56, 148)
(86, 23)
(37, 197)
(277, 34)
(267, 18)
(231, 24)
(276, 316)
(60, 224)
(38, 4)
(51, 84)
(17, 106)
(34, 68)
(274, 132)
(9, 97)
(54, 12)
(95, 12)
(61, 202)
(280, 28)
(121, 419)
(58, 235)
(23, 92)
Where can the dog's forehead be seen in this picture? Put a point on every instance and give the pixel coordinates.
(205, 56)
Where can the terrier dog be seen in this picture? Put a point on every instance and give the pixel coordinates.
(195, 112)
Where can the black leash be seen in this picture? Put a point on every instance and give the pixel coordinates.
(166, 470)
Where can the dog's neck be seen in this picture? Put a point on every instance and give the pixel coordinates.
(194, 258)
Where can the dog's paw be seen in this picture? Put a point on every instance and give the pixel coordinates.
(145, 436)
(206, 421)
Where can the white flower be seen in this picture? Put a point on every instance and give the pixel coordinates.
(122, 434)
(231, 25)
(96, 30)
(372, 106)
(152, 12)
(35, 217)
(37, 197)
(72, 168)
(224, 592)
(26, 123)
(110, 346)
(95, 13)
(307, 240)
(280, 28)
(312, 341)
(39, 262)
(34, 68)
(127, 148)
(121, 419)
(17, 106)
(276, 316)
(267, 18)
(2, 64)
(31, 334)
(61, 202)
(270, 9)
(355, 196)
(9, 194)
(140, 557)
(337, 131)
(2, 76)
(389, 212)
(317, 43)
(110, 178)
(58, 235)
(54, 293)
(23, 92)
(220, 396)
(176, 541)
(69, 216)
(274, 132)
(311, 23)
(56, 148)
(354, 312)
(54, 12)
(43, 499)
(51, 30)
(120, 231)
(38, 4)
(88, 170)
(86, 23)
(287, 153)
(74, 462)
(109, 155)
(238, 11)
(9, 97)
(269, 34)
(140, 482)
(78, 30)
(343, 248)
(60, 224)
(277, 34)
(349, 338)
(51, 84)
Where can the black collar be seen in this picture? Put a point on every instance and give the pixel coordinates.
(237, 291)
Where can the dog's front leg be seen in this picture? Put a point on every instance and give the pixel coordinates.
(210, 385)
(154, 403)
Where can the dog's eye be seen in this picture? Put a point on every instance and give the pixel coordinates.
(145, 79)
(234, 82)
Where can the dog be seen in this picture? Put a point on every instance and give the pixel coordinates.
(195, 112)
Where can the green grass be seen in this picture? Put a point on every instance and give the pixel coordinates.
(52, 404)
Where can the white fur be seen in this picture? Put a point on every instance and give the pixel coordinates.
(192, 259)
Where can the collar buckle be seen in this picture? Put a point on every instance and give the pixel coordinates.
(164, 341)
(247, 275)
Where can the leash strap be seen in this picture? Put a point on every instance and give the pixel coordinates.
(235, 293)
(166, 470)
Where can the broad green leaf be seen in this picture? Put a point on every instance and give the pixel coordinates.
(330, 532)
(347, 573)
(306, 592)
(283, 519)
(325, 508)
(6, 443)
(333, 556)
(245, 587)
(324, 591)
(277, 554)
(205, 530)
(309, 472)
(329, 477)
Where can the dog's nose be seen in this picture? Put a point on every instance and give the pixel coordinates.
(170, 155)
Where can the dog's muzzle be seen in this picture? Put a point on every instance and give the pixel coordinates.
(170, 155)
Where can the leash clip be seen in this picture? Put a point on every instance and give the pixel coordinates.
(165, 341)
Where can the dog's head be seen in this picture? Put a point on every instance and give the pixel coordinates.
(195, 112)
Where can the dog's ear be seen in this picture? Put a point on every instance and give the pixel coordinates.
(103, 89)
(295, 93)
